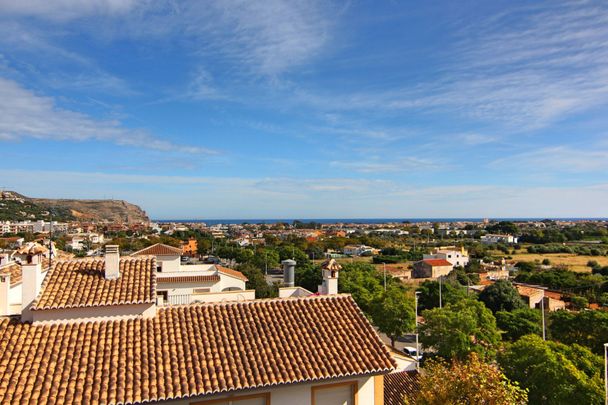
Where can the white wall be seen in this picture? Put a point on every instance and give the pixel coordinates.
(95, 313)
(227, 282)
(169, 263)
(296, 394)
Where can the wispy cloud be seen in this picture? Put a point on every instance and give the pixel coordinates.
(26, 114)
(406, 164)
(279, 197)
(524, 69)
(62, 10)
(557, 159)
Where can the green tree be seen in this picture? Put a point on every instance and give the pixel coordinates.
(520, 322)
(393, 313)
(308, 276)
(257, 281)
(501, 296)
(467, 382)
(552, 372)
(363, 282)
(586, 328)
(451, 292)
(458, 329)
(579, 302)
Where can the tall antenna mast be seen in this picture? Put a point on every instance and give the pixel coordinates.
(51, 239)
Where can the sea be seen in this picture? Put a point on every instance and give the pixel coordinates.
(359, 220)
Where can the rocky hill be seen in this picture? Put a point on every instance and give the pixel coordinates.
(14, 206)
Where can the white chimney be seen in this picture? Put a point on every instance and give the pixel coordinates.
(30, 284)
(112, 265)
(5, 286)
(330, 269)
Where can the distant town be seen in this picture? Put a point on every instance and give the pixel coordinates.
(516, 282)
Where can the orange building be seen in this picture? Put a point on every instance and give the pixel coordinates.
(190, 248)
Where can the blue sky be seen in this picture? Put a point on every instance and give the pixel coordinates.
(280, 109)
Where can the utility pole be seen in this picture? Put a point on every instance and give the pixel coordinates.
(51, 239)
(418, 355)
(440, 303)
(606, 371)
(384, 265)
(542, 308)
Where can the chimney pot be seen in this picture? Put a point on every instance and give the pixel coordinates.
(112, 262)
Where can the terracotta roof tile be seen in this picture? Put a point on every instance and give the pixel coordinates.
(187, 351)
(82, 283)
(15, 271)
(398, 386)
(437, 262)
(158, 249)
(230, 272)
(188, 279)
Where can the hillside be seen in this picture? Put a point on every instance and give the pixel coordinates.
(14, 206)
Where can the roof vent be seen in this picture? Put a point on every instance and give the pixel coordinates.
(289, 272)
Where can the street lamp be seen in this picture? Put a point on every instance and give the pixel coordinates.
(418, 355)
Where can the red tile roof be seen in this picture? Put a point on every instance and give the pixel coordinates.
(187, 351)
(437, 262)
(230, 272)
(398, 386)
(159, 249)
(82, 283)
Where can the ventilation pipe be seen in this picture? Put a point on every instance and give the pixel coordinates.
(289, 267)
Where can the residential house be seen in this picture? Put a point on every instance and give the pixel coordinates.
(457, 257)
(190, 248)
(358, 250)
(182, 284)
(491, 239)
(92, 333)
(432, 268)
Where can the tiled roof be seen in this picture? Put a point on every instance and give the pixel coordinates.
(159, 249)
(188, 279)
(230, 272)
(82, 283)
(437, 262)
(189, 350)
(15, 271)
(528, 291)
(398, 386)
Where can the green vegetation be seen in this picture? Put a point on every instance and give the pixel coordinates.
(14, 210)
(459, 329)
(552, 372)
(501, 296)
(518, 323)
(467, 382)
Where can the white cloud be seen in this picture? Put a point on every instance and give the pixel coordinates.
(524, 69)
(26, 114)
(214, 197)
(65, 9)
(406, 164)
(557, 159)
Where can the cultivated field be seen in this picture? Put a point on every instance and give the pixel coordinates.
(574, 262)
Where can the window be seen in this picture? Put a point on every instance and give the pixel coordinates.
(335, 394)
(256, 399)
(201, 290)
